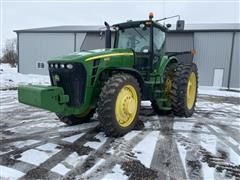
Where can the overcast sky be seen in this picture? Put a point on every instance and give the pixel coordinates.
(16, 14)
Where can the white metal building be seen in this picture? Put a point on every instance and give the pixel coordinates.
(217, 46)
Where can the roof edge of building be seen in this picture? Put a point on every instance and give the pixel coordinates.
(210, 27)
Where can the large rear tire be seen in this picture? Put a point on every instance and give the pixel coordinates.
(77, 119)
(184, 90)
(119, 105)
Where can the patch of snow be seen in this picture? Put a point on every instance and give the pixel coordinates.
(208, 172)
(60, 169)
(186, 126)
(10, 173)
(55, 136)
(40, 154)
(117, 173)
(95, 145)
(209, 142)
(182, 153)
(208, 90)
(92, 169)
(144, 149)
(234, 157)
(21, 144)
(5, 151)
(10, 78)
(130, 135)
(147, 124)
(231, 140)
(79, 127)
(37, 126)
(33, 156)
(146, 103)
(69, 163)
(217, 129)
(110, 151)
(73, 138)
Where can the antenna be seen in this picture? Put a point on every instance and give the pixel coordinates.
(170, 17)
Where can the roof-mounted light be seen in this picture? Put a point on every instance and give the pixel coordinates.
(151, 15)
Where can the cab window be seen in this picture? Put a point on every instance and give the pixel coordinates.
(159, 39)
(135, 38)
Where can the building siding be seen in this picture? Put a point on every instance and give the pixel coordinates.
(80, 37)
(213, 52)
(40, 47)
(235, 75)
(178, 42)
(93, 41)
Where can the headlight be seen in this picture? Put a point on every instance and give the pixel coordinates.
(56, 65)
(69, 66)
(51, 65)
(62, 65)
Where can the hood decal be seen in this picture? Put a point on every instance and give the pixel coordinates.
(109, 55)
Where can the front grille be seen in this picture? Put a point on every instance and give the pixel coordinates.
(72, 80)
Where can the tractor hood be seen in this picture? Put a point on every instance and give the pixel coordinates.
(91, 55)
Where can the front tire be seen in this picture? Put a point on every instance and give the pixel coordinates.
(119, 104)
(184, 90)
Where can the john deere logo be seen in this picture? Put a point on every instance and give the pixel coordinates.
(57, 78)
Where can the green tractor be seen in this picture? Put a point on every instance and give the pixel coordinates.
(113, 81)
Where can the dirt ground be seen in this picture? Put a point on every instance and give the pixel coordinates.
(34, 144)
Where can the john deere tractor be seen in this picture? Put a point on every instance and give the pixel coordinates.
(113, 81)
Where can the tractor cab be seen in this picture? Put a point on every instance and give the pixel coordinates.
(145, 38)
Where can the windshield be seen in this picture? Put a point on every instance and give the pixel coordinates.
(135, 38)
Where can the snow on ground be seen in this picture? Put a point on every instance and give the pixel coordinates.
(117, 173)
(84, 126)
(19, 144)
(9, 78)
(209, 90)
(40, 154)
(73, 138)
(130, 135)
(95, 145)
(9, 173)
(92, 169)
(67, 164)
(144, 150)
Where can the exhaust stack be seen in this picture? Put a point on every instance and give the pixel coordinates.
(108, 36)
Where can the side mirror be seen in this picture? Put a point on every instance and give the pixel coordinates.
(180, 25)
(168, 26)
(101, 34)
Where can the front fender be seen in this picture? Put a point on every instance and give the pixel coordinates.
(131, 71)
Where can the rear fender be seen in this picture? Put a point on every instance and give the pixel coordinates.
(164, 63)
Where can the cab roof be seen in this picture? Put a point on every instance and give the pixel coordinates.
(130, 24)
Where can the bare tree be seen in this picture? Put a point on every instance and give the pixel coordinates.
(10, 52)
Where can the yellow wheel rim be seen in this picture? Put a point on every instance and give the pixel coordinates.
(126, 105)
(191, 90)
(168, 84)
